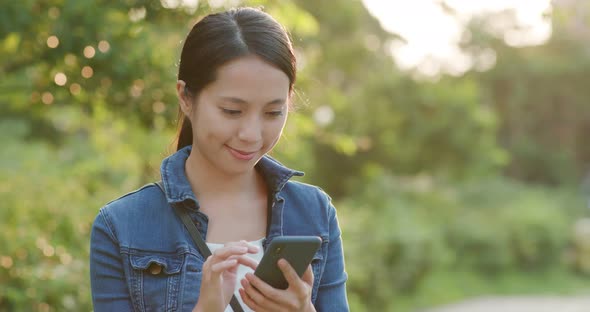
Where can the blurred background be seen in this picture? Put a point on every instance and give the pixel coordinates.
(452, 136)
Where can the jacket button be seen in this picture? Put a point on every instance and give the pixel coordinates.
(155, 269)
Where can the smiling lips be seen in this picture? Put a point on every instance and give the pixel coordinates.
(240, 154)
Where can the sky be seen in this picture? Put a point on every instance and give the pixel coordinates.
(432, 35)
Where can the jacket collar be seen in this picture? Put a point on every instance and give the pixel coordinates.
(179, 191)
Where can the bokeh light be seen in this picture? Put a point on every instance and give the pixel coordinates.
(87, 72)
(104, 46)
(52, 42)
(323, 115)
(60, 79)
(75, 89)
(65, 258)
(6, 262)
(158, 107)
(47, 98)
(89, 52)
(48, 251)
(137, 88)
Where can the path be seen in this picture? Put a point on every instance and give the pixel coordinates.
(520, 304)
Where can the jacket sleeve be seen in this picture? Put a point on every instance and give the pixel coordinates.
(332, 288)
(107, 276)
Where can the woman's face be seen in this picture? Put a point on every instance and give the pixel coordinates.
(240, 116)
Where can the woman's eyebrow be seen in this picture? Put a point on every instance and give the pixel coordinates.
(243, 102)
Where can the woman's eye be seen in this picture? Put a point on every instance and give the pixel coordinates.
(275, 113)
(232, 112)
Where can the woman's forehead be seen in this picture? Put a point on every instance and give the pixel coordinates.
(250, 76)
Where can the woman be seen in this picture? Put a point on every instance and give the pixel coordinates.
(235, 82)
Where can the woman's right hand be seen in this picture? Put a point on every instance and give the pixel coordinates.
(219, 275)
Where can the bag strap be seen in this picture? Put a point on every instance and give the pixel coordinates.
(201, 245)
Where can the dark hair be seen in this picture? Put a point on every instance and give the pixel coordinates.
(221, 37)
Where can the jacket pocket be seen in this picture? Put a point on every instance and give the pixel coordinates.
(155, 280)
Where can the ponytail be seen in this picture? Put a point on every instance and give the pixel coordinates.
(185, 132)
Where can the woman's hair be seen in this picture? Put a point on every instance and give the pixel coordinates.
(219, 38)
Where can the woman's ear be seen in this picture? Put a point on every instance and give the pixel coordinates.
(184, 98)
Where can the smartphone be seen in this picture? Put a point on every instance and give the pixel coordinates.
(297, 250)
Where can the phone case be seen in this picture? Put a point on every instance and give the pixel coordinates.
(297, 250)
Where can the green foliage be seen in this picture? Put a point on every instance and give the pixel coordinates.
(539, 94)
(397, 243)
(509, 225)
(383, 119)
(50, 198)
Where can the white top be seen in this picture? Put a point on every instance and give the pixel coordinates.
(242, 270)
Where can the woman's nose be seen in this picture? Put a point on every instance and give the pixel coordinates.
(250, 130)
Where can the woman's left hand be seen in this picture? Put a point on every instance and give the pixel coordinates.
(260, 297)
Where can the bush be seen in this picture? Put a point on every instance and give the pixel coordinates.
(504, 224)
(51, 195)
(392, 239)
(399, 232)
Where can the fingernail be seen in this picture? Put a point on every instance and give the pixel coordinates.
(282, 263)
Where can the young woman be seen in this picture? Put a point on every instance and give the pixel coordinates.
(235, 82)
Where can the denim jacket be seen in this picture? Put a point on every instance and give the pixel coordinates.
(143, 259)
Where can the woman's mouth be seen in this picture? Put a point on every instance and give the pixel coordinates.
(241, 155)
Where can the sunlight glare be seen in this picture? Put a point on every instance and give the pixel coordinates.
(432, 35)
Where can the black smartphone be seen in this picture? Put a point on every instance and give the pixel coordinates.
(297, 250)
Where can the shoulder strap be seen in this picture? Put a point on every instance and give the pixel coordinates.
(196, 236)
